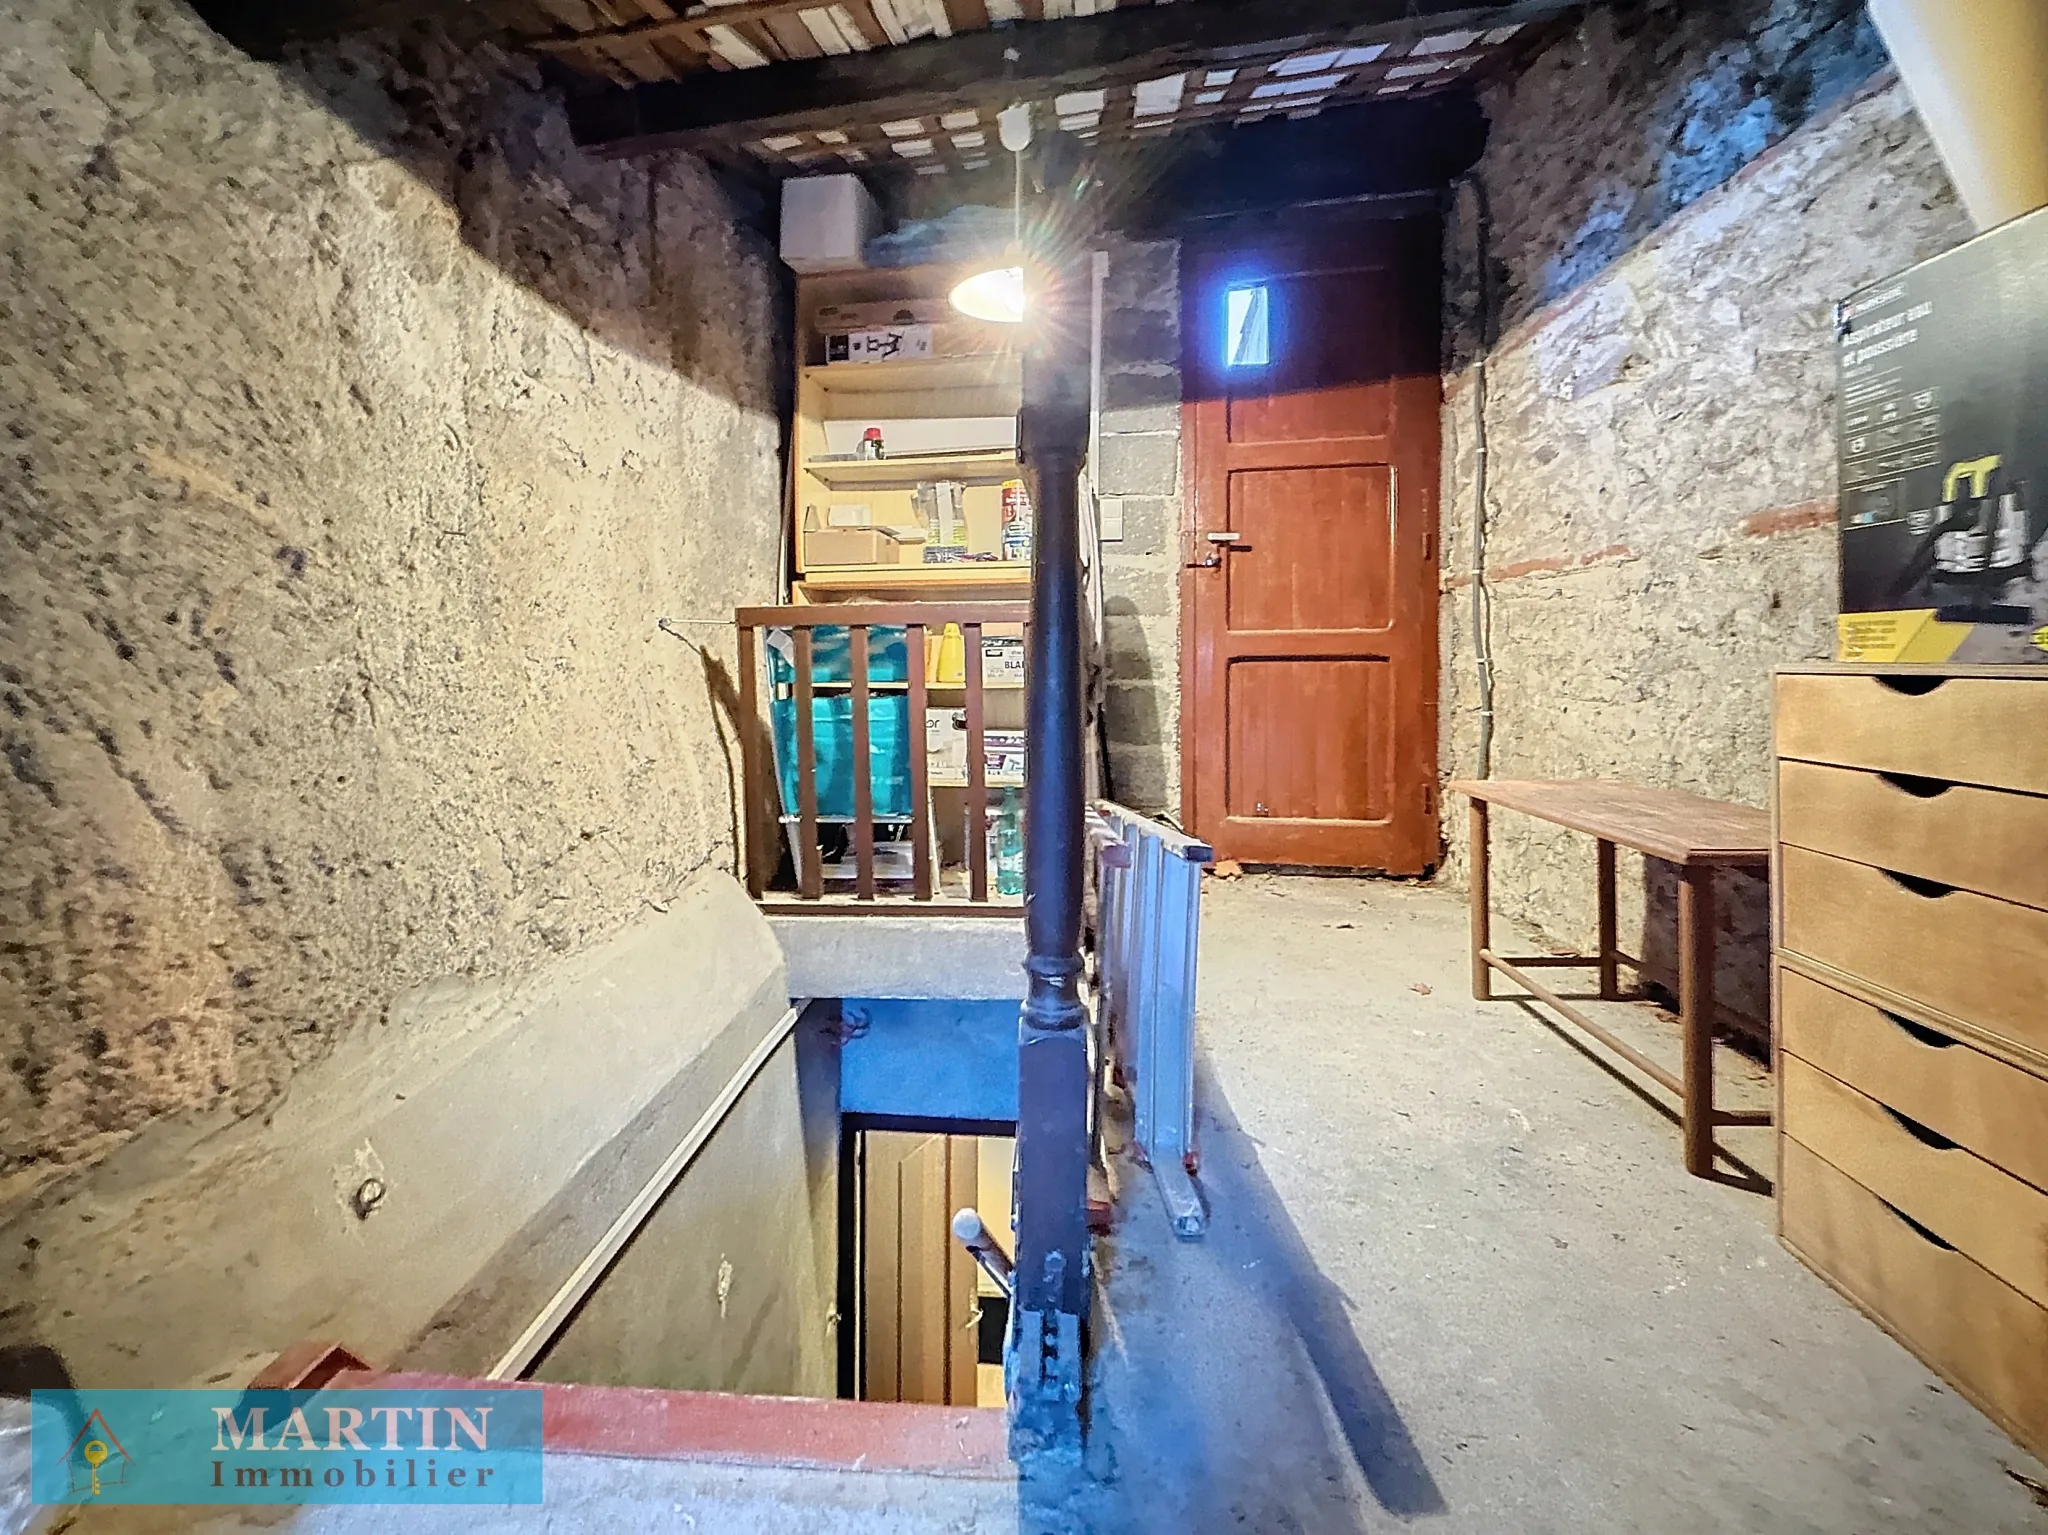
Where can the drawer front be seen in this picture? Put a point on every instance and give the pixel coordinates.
(1985, 1214)
(1979, 960)
(1988, 840)
(1982, 1336)
(1995, 1110)
(1978, 730)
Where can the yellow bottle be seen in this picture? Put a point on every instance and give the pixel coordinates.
(946, 662)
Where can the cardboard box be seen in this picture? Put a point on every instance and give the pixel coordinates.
(1004, 750)
(874, 316)
(946, 749)
(1002, 659)
(827, 222)
(1943, 448)
(938, 338)
(852, 546)
(945, 743)
(890, 344)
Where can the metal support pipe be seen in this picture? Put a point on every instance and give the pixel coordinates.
(1052, 1277)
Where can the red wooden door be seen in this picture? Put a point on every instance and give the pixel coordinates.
(1308, 613)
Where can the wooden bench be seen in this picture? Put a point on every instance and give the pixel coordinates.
(1696, 836)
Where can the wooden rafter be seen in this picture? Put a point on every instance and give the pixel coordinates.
(989, 69)
(692, 24)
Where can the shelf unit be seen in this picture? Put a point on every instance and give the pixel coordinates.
(910, 472)
(916, 580)
(950, 417)
(994, 372)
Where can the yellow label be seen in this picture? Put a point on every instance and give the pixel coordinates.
(1915, 635)
(2041, 639)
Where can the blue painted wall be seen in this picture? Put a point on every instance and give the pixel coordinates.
(929, 1059)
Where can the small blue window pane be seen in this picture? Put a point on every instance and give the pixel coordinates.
(1246, 341)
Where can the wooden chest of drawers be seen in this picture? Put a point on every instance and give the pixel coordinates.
(1910, 894)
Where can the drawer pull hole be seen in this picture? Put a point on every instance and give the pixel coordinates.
(1920, 1031)
(1918, 1230)
(1912, 687)
(1920, 1132)
(1915, 785)
(1932, 889)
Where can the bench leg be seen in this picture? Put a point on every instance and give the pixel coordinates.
(1482, 973)
(1696, 1013)
(1610, 979)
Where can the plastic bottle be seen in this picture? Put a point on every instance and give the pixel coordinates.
(871, 443)
(1010, 846)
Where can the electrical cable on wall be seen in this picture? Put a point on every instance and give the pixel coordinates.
(1482, 597)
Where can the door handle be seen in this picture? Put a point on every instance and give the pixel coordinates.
(1218, 543)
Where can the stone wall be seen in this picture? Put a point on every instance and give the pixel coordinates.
(1141, 570)
(1676, 203)
(358, 434)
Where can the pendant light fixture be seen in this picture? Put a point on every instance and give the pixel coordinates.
(998, 293)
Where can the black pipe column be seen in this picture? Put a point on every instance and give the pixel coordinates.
(1052, 1279)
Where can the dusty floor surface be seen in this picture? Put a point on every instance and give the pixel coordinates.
(1456, 1278)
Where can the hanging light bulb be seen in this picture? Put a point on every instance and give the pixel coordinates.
(993, 295)
(998, 294)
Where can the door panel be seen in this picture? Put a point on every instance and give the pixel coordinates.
(1312, 550)
(1337, 773)
(1321, 324)
(1308, 729)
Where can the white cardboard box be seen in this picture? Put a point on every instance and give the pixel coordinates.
(889, 344)
(945, 735)
(827, 222)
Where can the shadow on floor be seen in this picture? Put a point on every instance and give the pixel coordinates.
(1232, 1371)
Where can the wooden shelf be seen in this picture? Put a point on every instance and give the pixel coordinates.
(987, 370)
(992, 782)
(900, 473)
(874, 578)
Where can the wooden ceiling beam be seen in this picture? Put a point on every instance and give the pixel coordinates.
(686, 26)
(995, 67)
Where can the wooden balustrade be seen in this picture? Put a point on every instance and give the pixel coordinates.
(766, 814)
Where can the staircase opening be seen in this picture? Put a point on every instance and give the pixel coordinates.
(921, 1322)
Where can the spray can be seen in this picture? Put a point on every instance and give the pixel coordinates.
(1016, 521)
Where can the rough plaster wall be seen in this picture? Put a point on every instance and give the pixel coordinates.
(1660, 499)
(1141, 571)
(358, 432)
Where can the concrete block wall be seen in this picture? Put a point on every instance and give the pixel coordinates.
(358, 433)
(1677, 201)
(1141, 571)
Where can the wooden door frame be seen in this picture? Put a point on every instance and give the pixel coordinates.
(1221, 236)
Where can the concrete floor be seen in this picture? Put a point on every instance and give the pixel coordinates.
(1456, 1277)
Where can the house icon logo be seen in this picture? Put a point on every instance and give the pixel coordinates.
(95, 1458)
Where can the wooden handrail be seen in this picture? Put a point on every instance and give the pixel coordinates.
(893, 615)
(762, 779)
